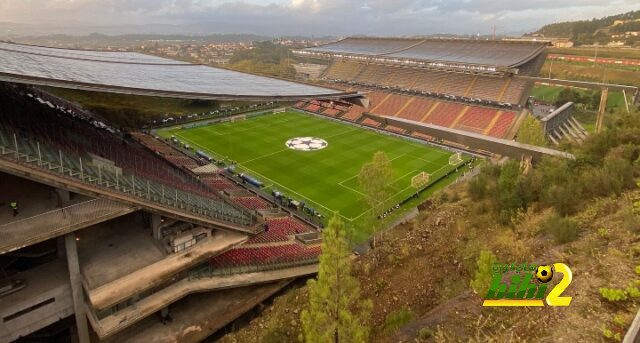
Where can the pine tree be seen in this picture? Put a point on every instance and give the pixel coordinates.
(375, 179)
(336, 313)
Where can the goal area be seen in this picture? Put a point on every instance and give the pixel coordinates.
(455, 159)
(420, 180)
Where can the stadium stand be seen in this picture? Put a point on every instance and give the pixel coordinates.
(38, 129)
(267, 256)
(455, 83)
(279, 230)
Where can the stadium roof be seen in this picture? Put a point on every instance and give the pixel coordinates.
(135, 73)
(490, 53)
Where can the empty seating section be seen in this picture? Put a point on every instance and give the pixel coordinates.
(391, 105)
(354, 113)
(483, 120)
(444, 114)
(62, 143)
(217, 182)
(331, 112)
(166, 151)
(476, 119)
(342, 70)
(279, 230)
(485, 87)
(394, 129)
(370, 122)
(456, 84)
(417, 109)
(313, 108)
(502, 125)
(489, 88)
(373, 74)
(514, 92)
(401, 77)
(430, 81)
(286, 255)
(252, 203)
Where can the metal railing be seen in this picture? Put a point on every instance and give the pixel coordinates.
(57, 222)
(25, 150)
(207, 271)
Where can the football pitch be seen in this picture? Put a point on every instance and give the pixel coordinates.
(327, 178)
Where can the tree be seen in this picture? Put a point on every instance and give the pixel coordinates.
(531, 132)
(375, 179)
(483, 275)
(336, 313)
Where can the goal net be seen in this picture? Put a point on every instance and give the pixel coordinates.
(279, 110)
(455, 159)
(420, 180)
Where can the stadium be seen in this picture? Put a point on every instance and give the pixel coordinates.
(145, 234)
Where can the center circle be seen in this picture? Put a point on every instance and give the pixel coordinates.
(306, 143)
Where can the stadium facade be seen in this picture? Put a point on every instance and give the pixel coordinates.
(114, 230)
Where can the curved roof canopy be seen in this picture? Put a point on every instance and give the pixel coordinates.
(135, 73)
(500, 54)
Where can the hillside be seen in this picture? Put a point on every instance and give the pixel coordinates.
(587, 32)
(576, 212)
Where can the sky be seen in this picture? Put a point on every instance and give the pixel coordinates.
(313, 17)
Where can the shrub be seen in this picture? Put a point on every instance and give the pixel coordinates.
(397, 319)
(562, 229)
(613, 295)
(426, 333)
(478, 187)
(483, 276)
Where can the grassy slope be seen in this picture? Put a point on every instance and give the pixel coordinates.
(595, 73)
(327, 178)
(425, 268)
(602, 52)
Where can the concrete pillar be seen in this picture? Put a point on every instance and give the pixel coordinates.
(64, 197)
(76, 287)
(155, 222)
(61, 246)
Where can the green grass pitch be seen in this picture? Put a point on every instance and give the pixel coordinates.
(325, 179)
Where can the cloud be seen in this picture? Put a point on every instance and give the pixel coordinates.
(304, 17)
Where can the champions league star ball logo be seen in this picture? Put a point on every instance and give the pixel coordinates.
(306, 143)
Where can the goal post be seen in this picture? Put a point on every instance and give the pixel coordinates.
(455, 159)
(279, 110)
(420, 180)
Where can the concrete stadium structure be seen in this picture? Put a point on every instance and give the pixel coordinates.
(113, 229)
(110, 228)
(470, 94)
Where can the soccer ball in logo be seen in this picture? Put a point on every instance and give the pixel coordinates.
(544, 273)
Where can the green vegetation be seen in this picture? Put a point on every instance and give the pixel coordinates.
(397, 319)
(605, 164)
(336, 311)
(590, 72)
(562, 229)
(586, 32)
(325, 179)
(265, 58)
(483, 275)
(588, 99)
(375, 180)
(531, 132)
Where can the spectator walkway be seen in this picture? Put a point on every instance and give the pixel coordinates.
(47, 225)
